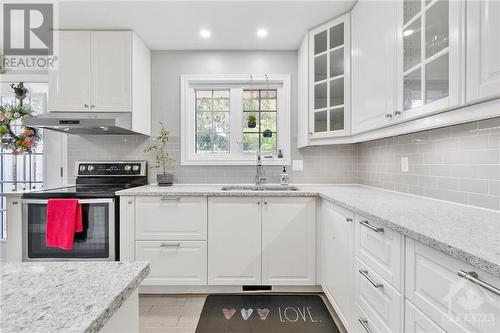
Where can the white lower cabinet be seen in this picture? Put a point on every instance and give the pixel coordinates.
(337, 259)
(417, 322)
(434, 286)
(288, 241)
(171, 218)
(381, 248)
(381, 302)
(234, 241)
(174, 263)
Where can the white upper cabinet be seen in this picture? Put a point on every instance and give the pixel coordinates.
(111, 71)
(430, 56)
(483, 50)
(373, 33)
(329, 79)
(94, 73)
(69, 84)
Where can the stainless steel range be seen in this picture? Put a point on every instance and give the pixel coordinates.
(95, 188)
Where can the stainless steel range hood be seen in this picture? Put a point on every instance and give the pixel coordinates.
(84, 122)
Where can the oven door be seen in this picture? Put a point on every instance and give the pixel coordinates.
(96, 242)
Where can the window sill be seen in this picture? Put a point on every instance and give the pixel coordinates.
(253, 161)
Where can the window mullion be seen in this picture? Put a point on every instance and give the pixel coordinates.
(236, 121)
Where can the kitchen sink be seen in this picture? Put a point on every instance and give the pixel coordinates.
(259, 188)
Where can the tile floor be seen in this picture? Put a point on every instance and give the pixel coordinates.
(178, 314)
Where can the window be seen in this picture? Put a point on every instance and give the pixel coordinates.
(226, 119)
(212, 121)
(22, 172)
(261, 104)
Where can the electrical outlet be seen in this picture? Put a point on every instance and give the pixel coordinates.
(404, 164)
(297, 165)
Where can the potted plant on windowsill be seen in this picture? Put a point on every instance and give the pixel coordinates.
(252, 121)
(161, 158)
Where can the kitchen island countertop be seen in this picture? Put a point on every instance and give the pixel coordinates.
(65, 296)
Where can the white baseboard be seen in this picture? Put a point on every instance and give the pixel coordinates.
(222, 289)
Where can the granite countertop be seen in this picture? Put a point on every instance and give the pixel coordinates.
(65, 296)
(467, 233)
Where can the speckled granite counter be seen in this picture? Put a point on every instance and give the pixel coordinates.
(466, 233)
(65, 297)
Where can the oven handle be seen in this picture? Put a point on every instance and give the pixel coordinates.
(80, 201)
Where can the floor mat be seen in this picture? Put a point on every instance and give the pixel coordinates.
(265, 314)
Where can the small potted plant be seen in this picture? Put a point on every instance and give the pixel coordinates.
(252, 121)
(161, 158)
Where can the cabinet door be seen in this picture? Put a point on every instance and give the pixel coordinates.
(234, 241)
(373, 64)
(337, 258)
(174, 263)
(329, 79)
(69, 83)
(483, 50)
(111, 71)
(417, 322)
(431, 56)
(453, 302)
(288, 241)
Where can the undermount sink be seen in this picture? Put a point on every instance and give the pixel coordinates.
(260, 188)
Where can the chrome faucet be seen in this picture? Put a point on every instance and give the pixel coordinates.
(259, 178)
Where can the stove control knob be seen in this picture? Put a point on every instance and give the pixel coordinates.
(90, 168)
(82, 168)
(128, 168)
(135, 168)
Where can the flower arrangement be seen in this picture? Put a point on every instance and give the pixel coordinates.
(21, 143)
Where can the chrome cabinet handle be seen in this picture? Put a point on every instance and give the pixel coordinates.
(397, 113)
(85, 105)
(474, 277)
(388, 115)
(375, 284)
(130, 202)
(170, 245)
(165, 198)
(92, 106)
(258, 202)
(348, 219)
(265, 202)
(364, 323)
(369, 226)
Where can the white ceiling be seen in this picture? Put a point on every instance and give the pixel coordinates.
(175, 25)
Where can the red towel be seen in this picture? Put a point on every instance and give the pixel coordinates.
(64, 218)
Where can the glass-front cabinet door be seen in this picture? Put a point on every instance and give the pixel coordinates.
(431, 56)
(329, 79)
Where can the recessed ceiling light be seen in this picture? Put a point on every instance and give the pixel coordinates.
(261, 33)
(205, 33)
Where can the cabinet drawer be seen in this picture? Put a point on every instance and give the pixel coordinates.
(171, 218)
(417, 322)
(381, 248)
(174, 263)
(452, 302)
(382, 303)
(362, 323)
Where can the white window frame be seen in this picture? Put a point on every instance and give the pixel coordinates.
(190, 82)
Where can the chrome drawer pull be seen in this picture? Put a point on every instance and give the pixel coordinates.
(369, 226)
(474, 277)
(375, 284)
(165, 198)
(364, 323)
(348, 219)
(170, 245)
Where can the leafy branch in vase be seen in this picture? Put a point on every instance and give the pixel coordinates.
(159, 147)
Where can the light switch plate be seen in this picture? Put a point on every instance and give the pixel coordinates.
(404, 164)
(298, 165)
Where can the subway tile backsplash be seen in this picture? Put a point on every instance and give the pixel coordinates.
(458, 163)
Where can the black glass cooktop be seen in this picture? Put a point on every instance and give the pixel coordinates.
(78, 191)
